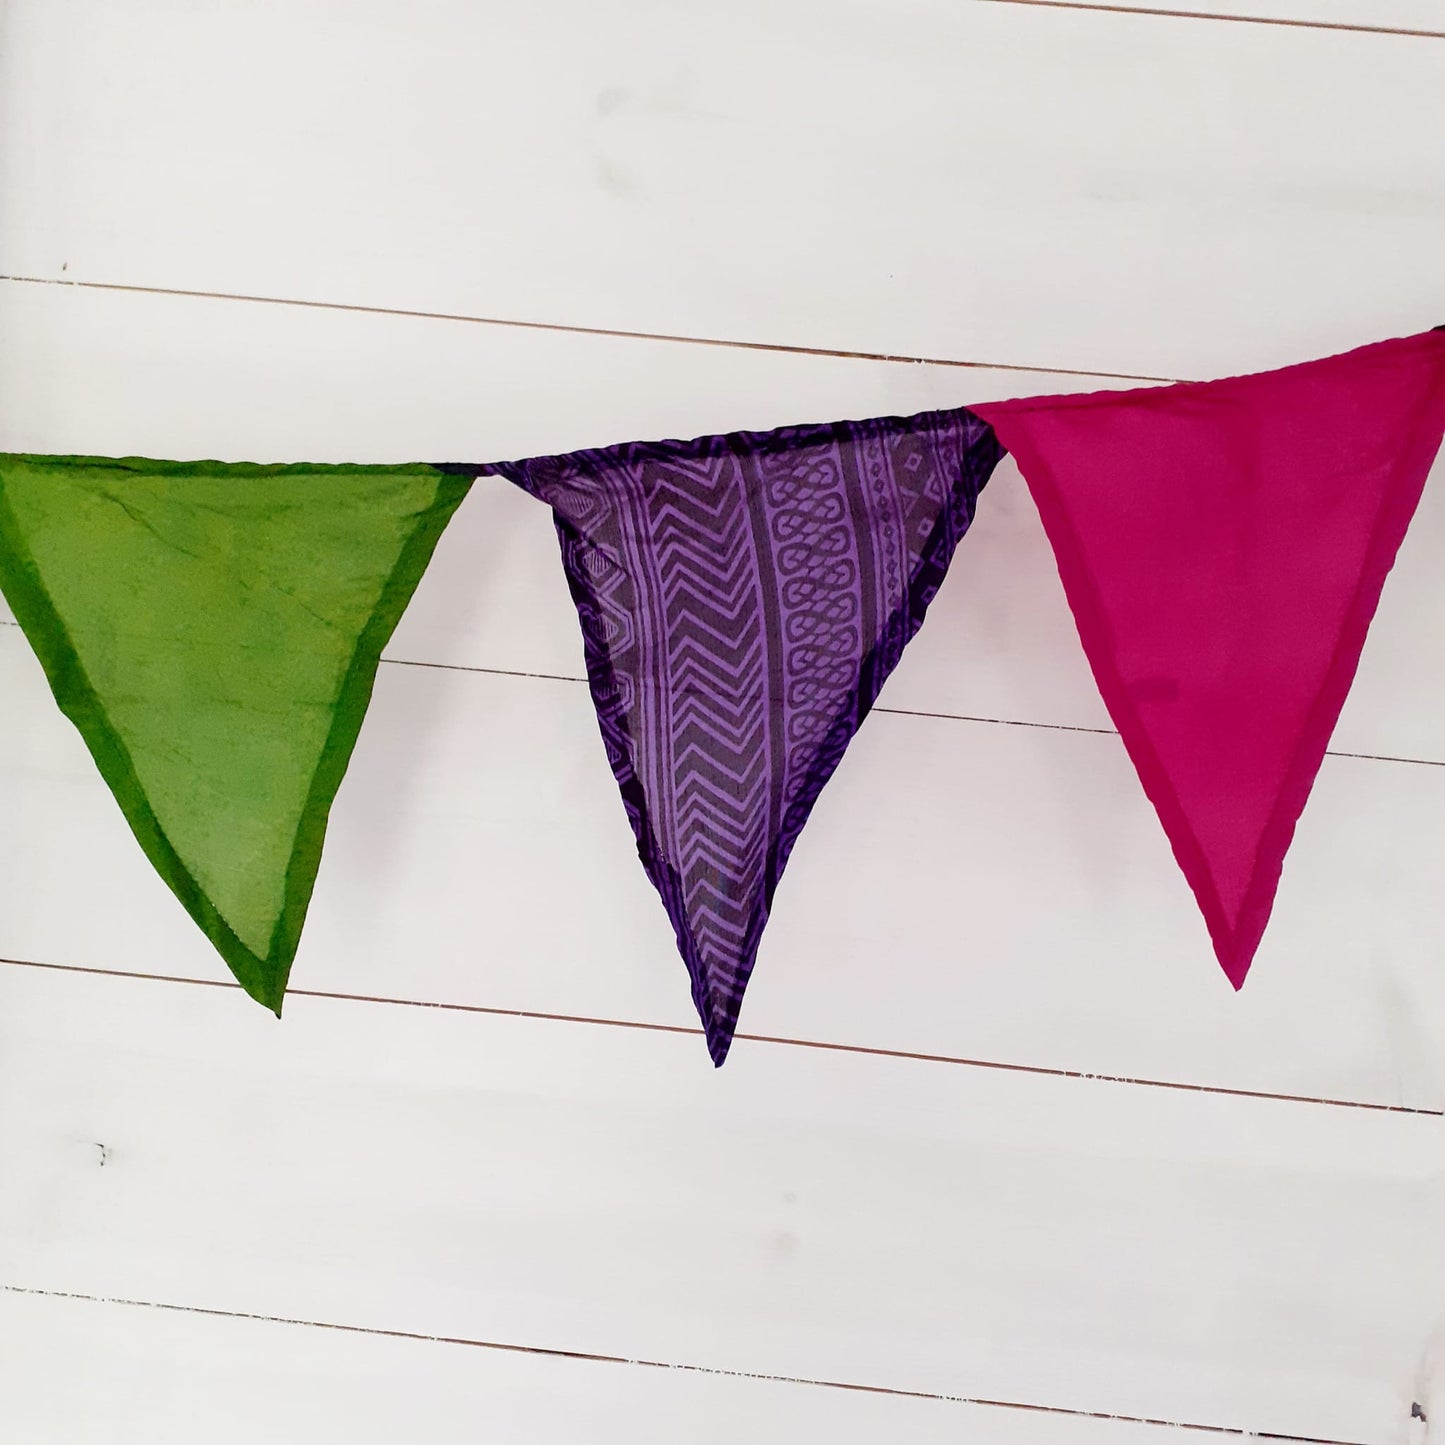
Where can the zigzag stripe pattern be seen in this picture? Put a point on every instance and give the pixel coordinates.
(743, 598)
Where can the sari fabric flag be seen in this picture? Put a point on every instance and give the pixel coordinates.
(742, 600)
(213, 631)
(1223, 546)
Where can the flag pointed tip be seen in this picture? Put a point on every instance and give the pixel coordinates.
(718, 1021)
(1236, 969)
(1234, 945)
(256, 981)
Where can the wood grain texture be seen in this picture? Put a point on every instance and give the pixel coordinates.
(811, 1216)
(1027, 185)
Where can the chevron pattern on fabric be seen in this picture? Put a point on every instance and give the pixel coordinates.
(743, 598)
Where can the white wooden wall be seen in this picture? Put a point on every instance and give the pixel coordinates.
(999, 1156)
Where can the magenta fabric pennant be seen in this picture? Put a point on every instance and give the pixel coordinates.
(742, 600)
(1223, 546)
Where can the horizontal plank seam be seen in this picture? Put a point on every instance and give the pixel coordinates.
(1095, 6)
(1007, 722)
(589, 1357)
(555, 326)
(863, 1050)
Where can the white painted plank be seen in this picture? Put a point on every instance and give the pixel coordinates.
(1271, 1266)
(989, 892)
(1001, 183)
(166, 376)
(77, 1372)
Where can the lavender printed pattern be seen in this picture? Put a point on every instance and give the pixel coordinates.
(743, 598)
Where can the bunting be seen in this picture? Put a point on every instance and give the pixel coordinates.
(213, 630)
(1223, 546)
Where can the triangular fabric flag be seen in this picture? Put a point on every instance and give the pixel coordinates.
(742, 599)
(213, 630)
(1223, 546)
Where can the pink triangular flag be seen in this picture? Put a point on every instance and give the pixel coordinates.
(1223, 546)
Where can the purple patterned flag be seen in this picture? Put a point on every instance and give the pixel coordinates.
(743, 598)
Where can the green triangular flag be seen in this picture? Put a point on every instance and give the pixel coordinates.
(213, 630)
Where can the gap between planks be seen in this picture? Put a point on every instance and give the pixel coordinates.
(775, 1040)
(1006, 722)
(587, 1357)
(578, 330)
(1097, 7)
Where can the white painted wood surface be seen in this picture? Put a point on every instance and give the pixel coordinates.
(802, 1214)
(980, 183)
